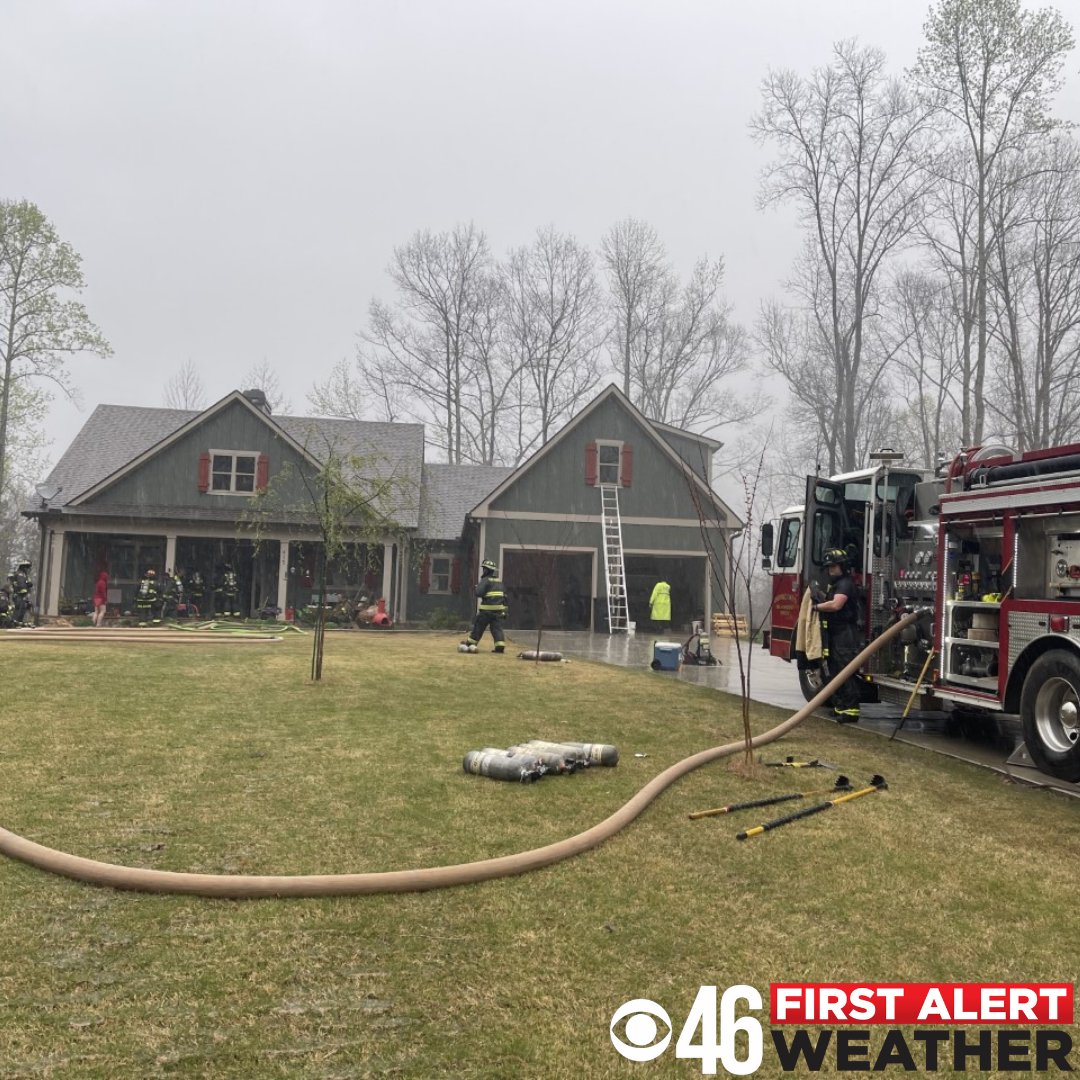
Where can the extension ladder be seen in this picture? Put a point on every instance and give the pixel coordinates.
(611, 527)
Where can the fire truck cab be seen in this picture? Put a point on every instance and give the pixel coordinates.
(988, 549)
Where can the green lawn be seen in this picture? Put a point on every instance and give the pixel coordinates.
(226, 759)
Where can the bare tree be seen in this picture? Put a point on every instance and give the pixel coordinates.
(734, 559)
(675, 344)
(1034, 280)
(184, 390)
(263, 376)
(554, 330)
(491, 379)
(924, 332)
(992, 69)
(424, 348)
(354, 392)
(689, 354)
(947, 234)
(850, 143)
(637, 268)
(352, 500)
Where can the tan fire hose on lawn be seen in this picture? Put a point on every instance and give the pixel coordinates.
(239, 886)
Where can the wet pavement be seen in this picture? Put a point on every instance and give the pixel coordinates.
(997, 745)
(772, 681)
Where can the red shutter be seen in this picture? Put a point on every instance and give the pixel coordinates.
(204, 471)
(425, 574)
(455, 576)
(590, 464)
(627, 464)
(262, 472)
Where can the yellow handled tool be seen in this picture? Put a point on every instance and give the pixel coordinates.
(877, 783)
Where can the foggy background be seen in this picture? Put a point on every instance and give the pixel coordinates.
(235, 176)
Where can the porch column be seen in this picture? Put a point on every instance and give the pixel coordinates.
(708, 597)
(282, 576)
(56, 572)
(401, 608)
(387, 570)
(170, 552)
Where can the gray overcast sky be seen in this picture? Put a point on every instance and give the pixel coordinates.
(235, 175)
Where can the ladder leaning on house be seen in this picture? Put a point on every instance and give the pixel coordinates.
(611, 527)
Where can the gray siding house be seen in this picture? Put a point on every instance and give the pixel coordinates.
(164, 488)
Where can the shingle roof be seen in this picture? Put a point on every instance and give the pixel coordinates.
(450, 492)
(110, 438)
(115, 435)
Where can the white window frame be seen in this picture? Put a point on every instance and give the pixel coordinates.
(434, 575)
(600, 444)
(232, 490)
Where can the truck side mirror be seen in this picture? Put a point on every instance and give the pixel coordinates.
(766, 546)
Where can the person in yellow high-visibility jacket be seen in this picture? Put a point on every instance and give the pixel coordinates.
(660, 606)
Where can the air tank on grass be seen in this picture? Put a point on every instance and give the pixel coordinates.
(592, 753)
(500, 765)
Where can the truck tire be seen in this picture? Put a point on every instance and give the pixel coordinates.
(1050, 710)
(811, 680)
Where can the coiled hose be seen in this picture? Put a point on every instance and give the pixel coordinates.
(240, 886)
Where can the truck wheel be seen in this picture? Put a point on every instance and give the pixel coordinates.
(811, 680)
(1050, 710)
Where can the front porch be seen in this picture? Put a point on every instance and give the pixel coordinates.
(274, 572)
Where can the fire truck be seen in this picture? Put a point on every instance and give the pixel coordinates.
(988, 548)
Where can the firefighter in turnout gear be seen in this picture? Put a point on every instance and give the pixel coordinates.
(491, 610)
(148, 598)
(840, 607)
(7, 612)
(21, 584)
(195, 588)
(227, 593)
(172, 596)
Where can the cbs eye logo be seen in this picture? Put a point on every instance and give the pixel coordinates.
(713, 1031)
(640, 1030)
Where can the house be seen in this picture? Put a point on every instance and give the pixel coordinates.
(165, 488)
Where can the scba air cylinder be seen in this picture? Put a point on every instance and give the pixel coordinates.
(499, 765)
(553, 760)
(593, 753)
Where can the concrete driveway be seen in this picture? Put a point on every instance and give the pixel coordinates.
(998, 745)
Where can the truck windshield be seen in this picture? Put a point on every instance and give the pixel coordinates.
(787, 550)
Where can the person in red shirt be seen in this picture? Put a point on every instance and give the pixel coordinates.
(101, 598)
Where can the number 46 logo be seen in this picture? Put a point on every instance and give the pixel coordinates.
(719, 1030)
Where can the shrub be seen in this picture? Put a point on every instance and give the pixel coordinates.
(444, 619)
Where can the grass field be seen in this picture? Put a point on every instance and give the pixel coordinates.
(226, 759)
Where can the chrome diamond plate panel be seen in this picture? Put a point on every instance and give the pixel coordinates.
(1025, 627)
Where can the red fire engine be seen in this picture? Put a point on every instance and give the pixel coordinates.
(990, 548)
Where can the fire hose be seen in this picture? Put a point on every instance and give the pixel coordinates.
(243, 886)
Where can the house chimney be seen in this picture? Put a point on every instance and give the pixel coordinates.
(258, 399)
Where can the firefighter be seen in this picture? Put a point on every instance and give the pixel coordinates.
(841, 610)
(195, 588)
(7, 611)
(491, 610)
(172, 596)
(21, 584)
(148, 597)
(227, 592)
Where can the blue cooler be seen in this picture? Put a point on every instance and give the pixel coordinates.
(666, 655)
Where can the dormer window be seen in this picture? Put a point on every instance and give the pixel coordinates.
(232, 472)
